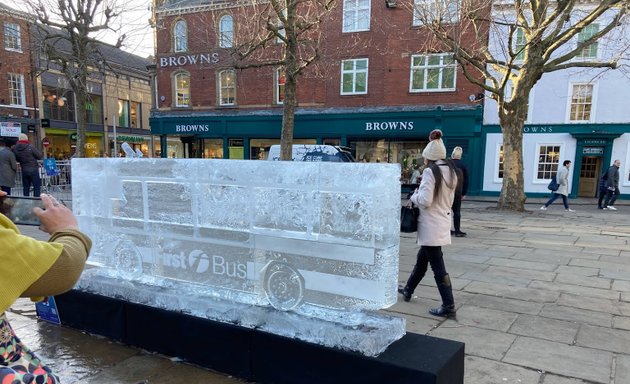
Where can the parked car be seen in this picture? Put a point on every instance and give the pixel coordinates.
(314, 152)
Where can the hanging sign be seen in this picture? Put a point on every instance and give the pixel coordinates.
(10, 129)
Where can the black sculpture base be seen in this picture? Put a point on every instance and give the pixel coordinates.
(259, 356)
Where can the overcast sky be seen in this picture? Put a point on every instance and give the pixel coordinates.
(134, 23)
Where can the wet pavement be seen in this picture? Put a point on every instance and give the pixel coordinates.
(543, 297)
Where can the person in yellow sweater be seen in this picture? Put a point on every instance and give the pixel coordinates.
(33, 268)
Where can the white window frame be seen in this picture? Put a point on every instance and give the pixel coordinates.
(226, 31)
(498, 161)
(572, 85)
(17, 95)
(12, 41)
(537, 162)
(519, 43)
(426, 67)
(584, 36)
(279, 87)
(432, 11)
(354, 15)
(185, 91)
(224, 88)
(354, 72)
(625, 176)
(180, 36)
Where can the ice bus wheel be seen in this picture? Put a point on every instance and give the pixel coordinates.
(128, 259)
(284, 286)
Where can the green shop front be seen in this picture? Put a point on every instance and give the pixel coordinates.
(590, 147)
(388, 136)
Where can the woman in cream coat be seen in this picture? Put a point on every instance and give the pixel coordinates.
(434, 197)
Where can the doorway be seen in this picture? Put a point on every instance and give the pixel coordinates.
(589, 176)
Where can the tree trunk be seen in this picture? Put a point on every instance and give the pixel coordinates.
(512, 118)
(81, 116)
(288, 117)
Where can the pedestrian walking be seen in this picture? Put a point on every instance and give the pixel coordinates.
(562, 177)
(27, 155)
(612, 186)
(415, 175)
(8, 168)
(35, 269)
(460, 192)
(434, 197)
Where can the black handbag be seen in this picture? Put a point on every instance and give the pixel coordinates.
(409, 218)
(553, 184)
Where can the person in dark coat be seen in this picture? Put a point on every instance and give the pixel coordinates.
(8, 168)
(612, 186)
(27, 155)
(460, 192)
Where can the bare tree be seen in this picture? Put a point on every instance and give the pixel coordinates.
(67, 37)
(285, 34)
(522, 40)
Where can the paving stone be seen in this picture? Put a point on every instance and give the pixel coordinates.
(479, 342)
(621, 285)
(543, 257)
(485, 318)
(146, 368)
(528, 294)
(615, 275)
(575, 289)
(505, 304)
(616, 340)
(576, 315)
(553, 379)
(622, 369)
(484, 371)
(544, 328)
(561, 359)
(494, 278)
(519, 272)
(621, 259)
(621, 322)
(590, 303)
(594, 282)
(478, 259)
(522, 264)
(580, 271)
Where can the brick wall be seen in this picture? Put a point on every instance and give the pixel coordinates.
(388, 46)
(17, 63)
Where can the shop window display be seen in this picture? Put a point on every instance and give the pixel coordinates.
(406, 153)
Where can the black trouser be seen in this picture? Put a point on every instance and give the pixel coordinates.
(611, 197)
(31, 177)
(457, 212)
(7, 190)
(602, 193)
(432, 255)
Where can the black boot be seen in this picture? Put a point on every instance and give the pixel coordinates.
(443, 311)
(457, 219)
(405, 293)
(447, 308)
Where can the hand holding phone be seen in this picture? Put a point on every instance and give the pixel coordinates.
(55, 216)
(20, 209)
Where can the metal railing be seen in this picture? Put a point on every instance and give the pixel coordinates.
(55, 182)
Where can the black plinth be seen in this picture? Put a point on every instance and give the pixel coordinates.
(259, 356)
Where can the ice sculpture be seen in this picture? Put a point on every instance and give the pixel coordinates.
(230, 239)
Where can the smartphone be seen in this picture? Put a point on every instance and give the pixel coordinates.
(20, 209)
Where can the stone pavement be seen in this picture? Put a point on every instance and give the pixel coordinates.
(543, 297)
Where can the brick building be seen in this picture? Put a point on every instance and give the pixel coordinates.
(17, 91)
(375, 88)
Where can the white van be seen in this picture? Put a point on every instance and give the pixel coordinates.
(314, 152)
